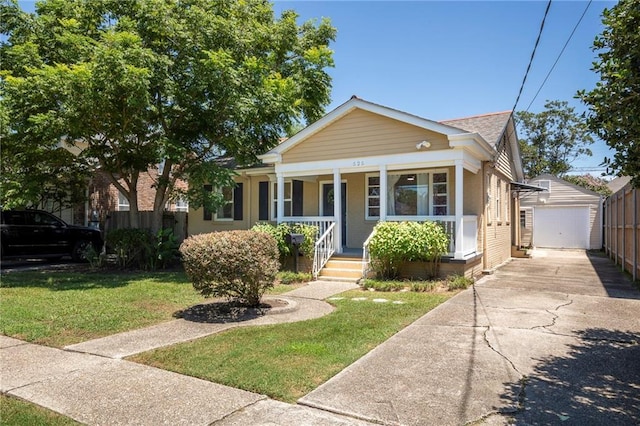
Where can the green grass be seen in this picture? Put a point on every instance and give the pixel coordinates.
(62, 308)
(16, 412)
(287, 361)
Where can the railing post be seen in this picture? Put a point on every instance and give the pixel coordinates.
(337, 209)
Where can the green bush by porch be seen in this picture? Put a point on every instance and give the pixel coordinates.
(285, 249)
(396, 242)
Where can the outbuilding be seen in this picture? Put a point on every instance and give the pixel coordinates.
(564, 215)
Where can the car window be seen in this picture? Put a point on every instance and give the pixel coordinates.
(44, 219)
(13, 218)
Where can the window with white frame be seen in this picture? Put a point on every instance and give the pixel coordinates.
(123, 203)
(546, 184)
(288, 204)
(182, 205)
(225, 211)
(498, 199)
(419, 193)
(489, 191)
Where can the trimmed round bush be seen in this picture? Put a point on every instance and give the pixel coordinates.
(240, 265)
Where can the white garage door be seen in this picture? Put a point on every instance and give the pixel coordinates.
(561, 227)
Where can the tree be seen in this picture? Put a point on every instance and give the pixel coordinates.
(614, 104)
(590, 182)
(552, 139)
(145, 83)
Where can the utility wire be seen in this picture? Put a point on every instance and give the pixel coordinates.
(560, 54)
(533, 53)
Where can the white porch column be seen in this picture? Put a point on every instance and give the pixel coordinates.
(383, 192)
(337, 210)
(280, 197)
(459, 253)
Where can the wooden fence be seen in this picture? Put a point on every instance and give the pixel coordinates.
(177, 221)
(622, 229)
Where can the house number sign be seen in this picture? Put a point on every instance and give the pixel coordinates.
(358, 163)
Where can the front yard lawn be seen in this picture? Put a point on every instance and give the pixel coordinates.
(63, 308)
(287, 361)
(17, 412)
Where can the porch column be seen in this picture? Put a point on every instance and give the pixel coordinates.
(337, 210)
(383, 192)
(459, 253)
(280, 197)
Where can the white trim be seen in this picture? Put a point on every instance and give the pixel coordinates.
(320, 203)
(214, 215)
(274, 192)
(417, 160)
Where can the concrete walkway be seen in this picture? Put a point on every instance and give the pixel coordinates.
(550, 340)
(90, 383)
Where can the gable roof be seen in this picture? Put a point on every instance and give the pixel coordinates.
(355, 102)
(559, 180)
(618, 183)
(490, 126)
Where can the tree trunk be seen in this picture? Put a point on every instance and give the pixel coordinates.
(163, 188)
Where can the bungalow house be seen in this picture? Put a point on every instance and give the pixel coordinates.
(363, 163)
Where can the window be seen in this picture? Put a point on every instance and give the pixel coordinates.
(498, 199)
(288, 205)
(373, 197)
(546, 184)
(123, 203)
(225, 211)
(523, 218)
(409, 194)
(182, 205)
(489, 191)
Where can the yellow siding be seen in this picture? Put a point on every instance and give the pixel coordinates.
(498, 233)
(362, 133)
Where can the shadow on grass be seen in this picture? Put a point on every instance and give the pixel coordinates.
(86, 279)
(597, 382)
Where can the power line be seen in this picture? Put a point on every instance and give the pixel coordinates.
(559, 55)
(533, 53)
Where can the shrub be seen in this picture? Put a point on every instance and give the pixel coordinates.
(279, 233)
(137, 248)
(240, 265)
(456, 282)
(383, 285)
(289, 277)
(131, 246)
(397, 242)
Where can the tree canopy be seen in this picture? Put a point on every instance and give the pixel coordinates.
(552, 139)
(614, 103)
(142, 83)
(593, 183)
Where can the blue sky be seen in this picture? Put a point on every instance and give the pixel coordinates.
(450, 59)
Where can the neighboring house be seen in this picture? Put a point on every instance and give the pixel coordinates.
(564, 215)
(618, 183)
(363, 163)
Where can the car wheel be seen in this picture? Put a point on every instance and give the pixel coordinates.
(80, 251)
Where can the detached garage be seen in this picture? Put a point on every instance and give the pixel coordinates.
(562, 216)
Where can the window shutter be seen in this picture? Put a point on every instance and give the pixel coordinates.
(297, 197)
(237, 202)
(263, 201)
(208, 214)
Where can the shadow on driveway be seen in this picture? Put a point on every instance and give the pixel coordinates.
(597, 382)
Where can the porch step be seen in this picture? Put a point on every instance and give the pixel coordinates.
(342, 268)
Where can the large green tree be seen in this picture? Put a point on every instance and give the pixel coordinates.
(614, 103)
(552, 139)
(142, 83)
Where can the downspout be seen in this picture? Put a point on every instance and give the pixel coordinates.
(484, 219)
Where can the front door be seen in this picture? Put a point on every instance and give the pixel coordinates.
(327, 206)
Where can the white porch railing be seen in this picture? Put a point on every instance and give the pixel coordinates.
(323, 250)
(469, 235)
(322, 222)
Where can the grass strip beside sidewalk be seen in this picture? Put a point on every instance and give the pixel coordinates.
(287, 361)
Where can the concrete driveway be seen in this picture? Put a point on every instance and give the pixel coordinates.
(554, 339)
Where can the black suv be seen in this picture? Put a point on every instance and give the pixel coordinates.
(36, 233)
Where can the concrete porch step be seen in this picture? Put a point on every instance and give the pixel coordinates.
(342, 268)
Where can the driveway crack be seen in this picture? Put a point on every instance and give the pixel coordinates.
(554, 316)
(486, 339)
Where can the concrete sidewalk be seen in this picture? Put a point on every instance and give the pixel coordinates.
(548, 340)
(90, 383)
